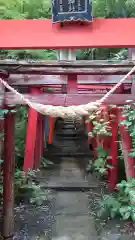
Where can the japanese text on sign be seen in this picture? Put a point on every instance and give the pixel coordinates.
(72, 6)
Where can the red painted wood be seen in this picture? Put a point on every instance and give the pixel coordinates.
(21, 34)
(54, 99)
(82, 87)
(100, 79)
(24, 79)
(31, 136)
(1, 139)
(113, 173)
(72, 87)
(85, 98)
(127, 147)
(51, 130)
(43, 135)
(39, 143)
(9, 171)
(68, 99)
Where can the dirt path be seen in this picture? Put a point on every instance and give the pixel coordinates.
(72, 216)
(72, 208)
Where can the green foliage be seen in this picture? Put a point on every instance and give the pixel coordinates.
(38, 195)
(129, 123)
(100, 129)
(46, 163)
(100, 126)
(24, 183)
(122, 203)
(100, 164)
(25, 9)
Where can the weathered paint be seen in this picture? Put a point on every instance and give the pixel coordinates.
(68, 99)
(9, 173)
(51, 130)
(39, 143)
(31, 136)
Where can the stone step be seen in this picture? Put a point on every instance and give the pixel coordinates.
(61, 137)
(70, 132)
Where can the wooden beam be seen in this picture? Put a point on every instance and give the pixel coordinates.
(36, 80)
(100, 79)
(67, 100)
(9, 172)
(54, 99)
(86, 87)
(27, 80)
(85, 98)
(70, 70)
(101, 33)
(63, 62)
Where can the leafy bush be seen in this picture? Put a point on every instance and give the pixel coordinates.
(120, 204)
(24, 183)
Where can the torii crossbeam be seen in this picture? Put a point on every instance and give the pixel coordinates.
(41, 34)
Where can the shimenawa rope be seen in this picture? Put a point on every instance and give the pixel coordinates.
(71, 111)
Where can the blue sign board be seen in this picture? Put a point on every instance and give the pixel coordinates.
(71, 10)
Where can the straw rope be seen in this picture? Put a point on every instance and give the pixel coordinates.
(71, 111)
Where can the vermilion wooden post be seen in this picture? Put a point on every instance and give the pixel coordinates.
(1, 141)
(39, 138)
(51, 130)
(2, 92)
(9, 171)
(126, 142)
(43, 134)
(31, 135)
(113, 172)
(72, 84)
(47, 128)
(38, 143)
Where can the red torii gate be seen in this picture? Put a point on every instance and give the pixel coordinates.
(41, 34)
